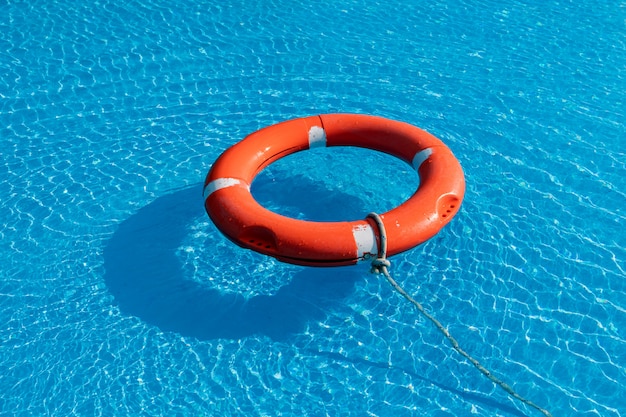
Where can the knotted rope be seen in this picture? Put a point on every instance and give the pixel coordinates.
(381, 264)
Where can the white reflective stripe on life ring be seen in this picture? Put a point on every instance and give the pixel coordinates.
(218, 184)
(365, 240)
(317, 137)
(420, 157)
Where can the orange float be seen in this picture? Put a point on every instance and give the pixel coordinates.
(230, 205)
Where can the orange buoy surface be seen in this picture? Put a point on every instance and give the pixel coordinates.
(230, 205)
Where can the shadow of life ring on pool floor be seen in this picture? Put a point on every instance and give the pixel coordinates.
(147, 279)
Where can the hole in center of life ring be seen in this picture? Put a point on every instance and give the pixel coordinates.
(334, 184)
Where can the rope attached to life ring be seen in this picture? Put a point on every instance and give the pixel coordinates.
(381, 264)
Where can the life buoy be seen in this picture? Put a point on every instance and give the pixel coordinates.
(230, 205)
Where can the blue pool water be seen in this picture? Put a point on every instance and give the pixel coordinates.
(119, 297)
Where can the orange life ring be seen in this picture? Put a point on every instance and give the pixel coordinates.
(229, 203)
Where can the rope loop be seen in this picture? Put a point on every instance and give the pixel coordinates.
(380, 263)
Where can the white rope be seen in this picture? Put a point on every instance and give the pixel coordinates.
(381, 264)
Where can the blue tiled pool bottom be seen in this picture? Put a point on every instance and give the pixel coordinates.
(119, 297)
